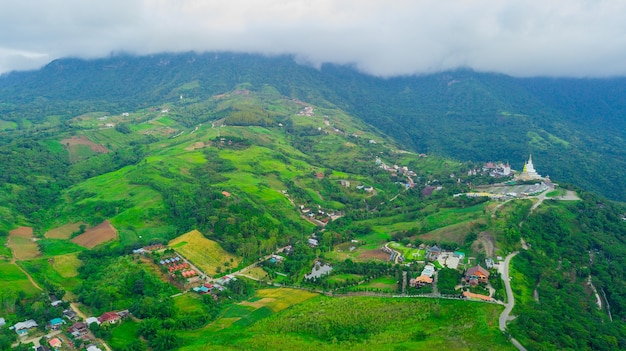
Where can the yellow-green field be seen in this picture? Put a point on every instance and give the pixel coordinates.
(24, 248)
(67, 265)
(64, 231)
(206, 254)
(279, 299)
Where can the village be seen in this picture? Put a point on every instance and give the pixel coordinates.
(472, 279)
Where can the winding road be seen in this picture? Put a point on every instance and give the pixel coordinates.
(506, 314)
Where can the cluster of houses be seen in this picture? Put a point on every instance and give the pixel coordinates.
(396, 170)
(320, 214)
(496, 170)
(149, 248)
(217, 285)
(306, 111)
(79, 330)
(176, 264)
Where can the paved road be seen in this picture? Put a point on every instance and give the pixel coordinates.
(505, 316)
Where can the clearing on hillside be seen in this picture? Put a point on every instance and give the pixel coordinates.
(24, 232)
(64, 231)
(376, 254)
(97, 235)
(206, 254)
(22, 243)
(82, 140)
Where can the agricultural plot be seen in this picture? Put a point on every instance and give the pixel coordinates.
(206, 254)
(279, 299)
(60, 270)
(64, 231)
(80, 148)
(12, 278)
(22, 243)
(55, 247)
(97, 235)
(361, 323)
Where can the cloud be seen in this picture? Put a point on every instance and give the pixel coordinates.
(391, 37)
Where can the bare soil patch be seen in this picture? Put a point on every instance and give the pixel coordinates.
(375, 254)
(64, 231)
(24, 232)
(486, 242)
(97, 235)
(82, 140)
(196, 146)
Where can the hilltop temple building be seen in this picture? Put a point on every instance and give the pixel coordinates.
(529, 173)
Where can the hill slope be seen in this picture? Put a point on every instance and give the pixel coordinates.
(575, 127)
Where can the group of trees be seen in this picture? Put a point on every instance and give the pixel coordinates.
(571, 242)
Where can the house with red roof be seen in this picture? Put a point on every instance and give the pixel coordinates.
(109, 317)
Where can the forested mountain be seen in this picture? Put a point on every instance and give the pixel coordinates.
(574, 127)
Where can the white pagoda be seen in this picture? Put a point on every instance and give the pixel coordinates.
(529, 173)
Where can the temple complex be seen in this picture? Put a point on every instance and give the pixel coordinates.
(529, 173)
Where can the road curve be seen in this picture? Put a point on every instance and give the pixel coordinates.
(504, 317)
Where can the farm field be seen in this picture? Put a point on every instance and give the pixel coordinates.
(61, 270)
(206, 254)
(97, 235)
(64, 231)
(12, 278)
(22, 244)
(55, 247)
(363, 323)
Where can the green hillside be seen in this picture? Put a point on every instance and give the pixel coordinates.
(317, 179)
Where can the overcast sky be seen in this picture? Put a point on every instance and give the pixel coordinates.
(381, 37)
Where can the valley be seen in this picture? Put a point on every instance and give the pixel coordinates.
(193, 223)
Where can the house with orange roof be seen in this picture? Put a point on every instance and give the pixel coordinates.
(55, 342)
(477, 274)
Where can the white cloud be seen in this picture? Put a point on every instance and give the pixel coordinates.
(519, 37)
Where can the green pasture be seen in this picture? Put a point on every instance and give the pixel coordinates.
(121, 334)
(12, 277)
(4, 125)
(55, 247)
(62, 274)
(188, 303)
(363, 323)
(384, 284)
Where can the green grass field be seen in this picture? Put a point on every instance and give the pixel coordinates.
(11, 277)
(122, 333)
(55, 247)
(409, 253)
(188, 303)
(61, 270)
(362, 323)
